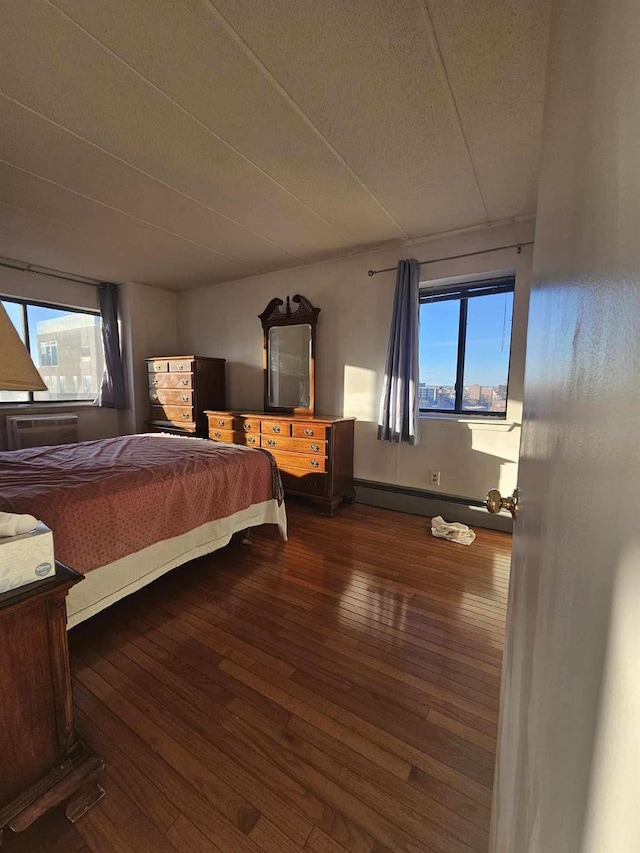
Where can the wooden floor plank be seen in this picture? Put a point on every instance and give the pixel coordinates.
(337, 692)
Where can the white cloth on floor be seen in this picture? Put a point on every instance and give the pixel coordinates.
(454, 532)
(12, 524)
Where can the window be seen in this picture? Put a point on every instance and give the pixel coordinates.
(48, 354)
(465, 344)
(65, 344)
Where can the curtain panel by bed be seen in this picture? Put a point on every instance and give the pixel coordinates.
(112, 391)
(399, 416)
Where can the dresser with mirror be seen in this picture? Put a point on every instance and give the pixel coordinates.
(314, 452)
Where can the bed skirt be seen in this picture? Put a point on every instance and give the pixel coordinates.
(106, 585)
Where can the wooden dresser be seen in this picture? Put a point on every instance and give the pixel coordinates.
(314, 453)
(43, 762)
(180, 389)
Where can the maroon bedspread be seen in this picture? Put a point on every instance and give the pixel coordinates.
(110, 498)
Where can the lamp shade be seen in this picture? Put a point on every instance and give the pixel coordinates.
(17, 371)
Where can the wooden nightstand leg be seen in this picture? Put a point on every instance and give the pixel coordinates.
(83, 799)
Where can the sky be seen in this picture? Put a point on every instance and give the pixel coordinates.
(487, 347)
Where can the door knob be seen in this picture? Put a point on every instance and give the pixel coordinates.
(495, 502)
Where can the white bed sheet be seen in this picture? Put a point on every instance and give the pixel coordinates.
(108, 584)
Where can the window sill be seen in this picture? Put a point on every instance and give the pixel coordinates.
(21, 408)
(493, 424)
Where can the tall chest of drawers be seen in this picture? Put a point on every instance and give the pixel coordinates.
(180, 389)
(314, 453)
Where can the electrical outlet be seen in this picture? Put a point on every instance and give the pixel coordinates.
(434, 478)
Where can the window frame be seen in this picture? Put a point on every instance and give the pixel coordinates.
(462, 293)
(24, 303)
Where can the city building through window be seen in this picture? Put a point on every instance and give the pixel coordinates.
(66, 347)
(465, 345)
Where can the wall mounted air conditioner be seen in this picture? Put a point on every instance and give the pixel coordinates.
(41, 430)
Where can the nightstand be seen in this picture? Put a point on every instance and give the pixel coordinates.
(43, 761)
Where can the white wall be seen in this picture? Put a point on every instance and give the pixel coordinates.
(148, 327)
(353, 328)
(92, 422)
(569, 748)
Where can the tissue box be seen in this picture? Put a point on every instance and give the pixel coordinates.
(26, 558)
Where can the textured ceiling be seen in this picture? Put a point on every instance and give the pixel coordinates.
(183, 142)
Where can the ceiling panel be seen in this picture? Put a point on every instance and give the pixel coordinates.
(495, 55)
(47, 243)
(367, 76)
(90, 221)
(63, 158)
(41, 55)
(230, 94)
(184, 142)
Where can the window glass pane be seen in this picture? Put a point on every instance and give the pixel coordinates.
(438, 354)
(488, 343)
(15, 315)
(66, 347)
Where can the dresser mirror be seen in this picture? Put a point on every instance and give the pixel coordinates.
(289, 353)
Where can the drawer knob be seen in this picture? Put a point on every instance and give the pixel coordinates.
(315, 448)
(180, 366)
(157, 366)
(154, 396)
(184, 381)
(185, 398)
(276, 428)
(186, 415)
(217, 435)
(247, 427)
(251, 439)
(308, 431)
(314, 463)
(271, 442)
(154, 381)
(220, 422)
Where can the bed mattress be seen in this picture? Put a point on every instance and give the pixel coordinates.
(107, 500)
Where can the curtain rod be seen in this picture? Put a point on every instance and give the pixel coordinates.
(517, 246)
(24, 267)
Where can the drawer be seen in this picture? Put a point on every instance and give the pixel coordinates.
(220, 421)
(248, 439)
(157, 366)
(276, 428)
(243, 438)
(242, 424)
(297, 480)
(180, 366)
(185, 431)
(310, 430)
(216, 434)
(170, 380)
(171, 396)
(299, 461)
(301, 445)
(172, 413)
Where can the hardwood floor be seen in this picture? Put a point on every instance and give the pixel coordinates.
(336, 692)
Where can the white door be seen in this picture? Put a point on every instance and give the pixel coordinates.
(568, 767)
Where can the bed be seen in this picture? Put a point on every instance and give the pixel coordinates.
(125, 510)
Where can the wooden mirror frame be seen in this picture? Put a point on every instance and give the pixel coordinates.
(274, 316)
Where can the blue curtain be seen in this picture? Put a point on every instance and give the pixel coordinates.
(112, 392)
(399, 419)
